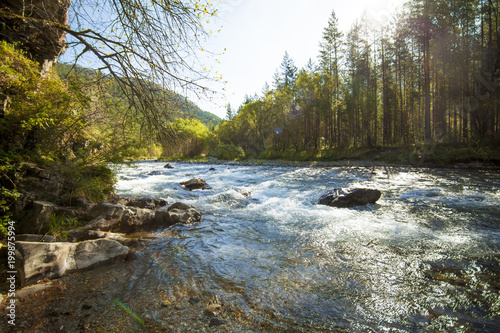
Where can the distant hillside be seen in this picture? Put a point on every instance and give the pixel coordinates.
(184, 107)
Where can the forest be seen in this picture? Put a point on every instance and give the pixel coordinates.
(430, 76)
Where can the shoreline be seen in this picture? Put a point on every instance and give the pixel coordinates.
(330, 164)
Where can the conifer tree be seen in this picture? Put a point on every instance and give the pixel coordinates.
(285, 78)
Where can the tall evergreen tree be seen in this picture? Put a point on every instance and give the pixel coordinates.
(287, 74)
(229, 112)
(330, 57)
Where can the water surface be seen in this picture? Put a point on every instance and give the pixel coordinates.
(424, 258)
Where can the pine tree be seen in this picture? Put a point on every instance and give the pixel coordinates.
(330, 57)
(288, 74)
(229, 112)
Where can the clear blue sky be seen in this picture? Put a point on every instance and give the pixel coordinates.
(256, 34)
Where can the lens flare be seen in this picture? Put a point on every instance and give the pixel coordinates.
(130, 312)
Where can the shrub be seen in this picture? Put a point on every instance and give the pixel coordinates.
(229, 152)
(94, 183)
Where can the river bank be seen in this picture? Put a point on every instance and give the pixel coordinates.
(426, 155)
(332, 164)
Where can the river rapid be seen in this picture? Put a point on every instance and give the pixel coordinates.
(425, 258)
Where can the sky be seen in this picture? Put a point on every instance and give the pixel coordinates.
(255, 34)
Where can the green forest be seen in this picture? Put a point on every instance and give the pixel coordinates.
(430, 78)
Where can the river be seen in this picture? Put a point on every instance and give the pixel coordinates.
(426, 257)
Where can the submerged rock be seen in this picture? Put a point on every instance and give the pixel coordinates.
(196, 184)
(214, 307)
(350, 198)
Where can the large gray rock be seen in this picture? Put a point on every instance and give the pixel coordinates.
(41, 260)
(53, 260)
(105, 216)
(136, 219)
(96, 252)
(350, 198)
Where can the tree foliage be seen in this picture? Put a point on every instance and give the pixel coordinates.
(432, 74)
(45, 121)
(193, 139)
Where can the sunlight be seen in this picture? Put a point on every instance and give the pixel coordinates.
(381, 11)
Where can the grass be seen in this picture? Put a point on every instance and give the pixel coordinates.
(59, 224)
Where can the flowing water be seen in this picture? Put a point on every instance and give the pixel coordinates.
(426, 257)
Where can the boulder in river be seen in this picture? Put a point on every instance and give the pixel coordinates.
(350, 198)
(196, 184)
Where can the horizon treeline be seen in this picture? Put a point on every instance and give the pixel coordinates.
(432, 74)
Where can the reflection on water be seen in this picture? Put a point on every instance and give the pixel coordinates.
(424, 258)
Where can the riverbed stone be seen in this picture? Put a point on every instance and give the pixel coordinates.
(341, 198)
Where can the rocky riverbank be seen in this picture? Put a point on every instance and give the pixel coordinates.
(62, 247)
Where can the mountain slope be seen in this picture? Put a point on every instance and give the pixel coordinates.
(184, 108)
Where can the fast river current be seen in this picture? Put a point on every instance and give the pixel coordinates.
(425, 257)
